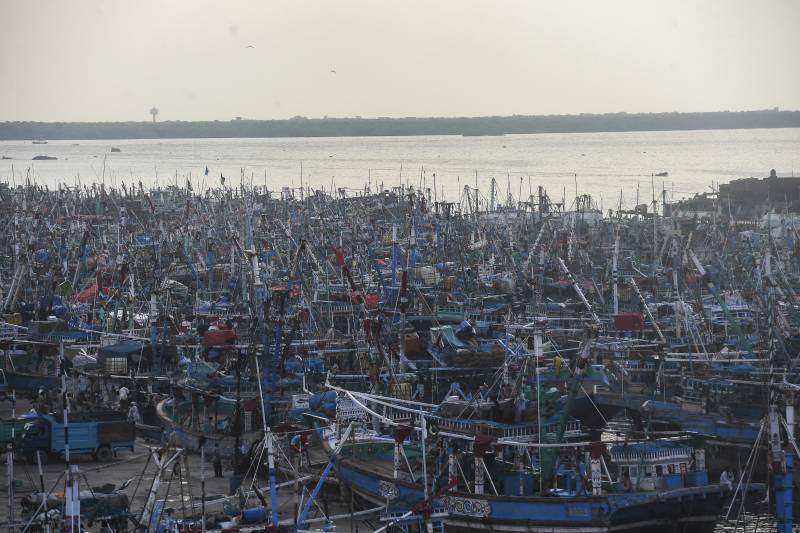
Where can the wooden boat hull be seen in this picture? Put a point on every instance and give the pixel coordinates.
(23, 381)
(190, 439)
(687, 509)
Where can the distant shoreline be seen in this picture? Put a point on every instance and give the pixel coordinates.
(394, 127)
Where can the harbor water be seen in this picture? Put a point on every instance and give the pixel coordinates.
(605, 165)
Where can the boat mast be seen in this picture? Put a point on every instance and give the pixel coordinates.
(10, 466)
(578, 291)
(781, 457)
(72, 498)
(615, 271)
(582, 365)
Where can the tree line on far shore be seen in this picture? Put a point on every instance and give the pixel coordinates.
(356, 127)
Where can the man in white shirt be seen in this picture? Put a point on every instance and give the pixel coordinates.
(726, 479)
(123, 397)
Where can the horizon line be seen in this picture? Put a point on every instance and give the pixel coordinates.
(241, 118)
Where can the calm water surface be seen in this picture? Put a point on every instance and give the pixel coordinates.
(604, 165)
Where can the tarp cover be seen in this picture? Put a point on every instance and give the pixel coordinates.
(122, 349)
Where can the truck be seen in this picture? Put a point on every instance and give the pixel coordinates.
(99, 433)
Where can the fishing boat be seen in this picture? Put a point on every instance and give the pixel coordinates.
(186, 429)
(665, 492)
(528, 476)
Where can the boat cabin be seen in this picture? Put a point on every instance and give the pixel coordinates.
(663, 465)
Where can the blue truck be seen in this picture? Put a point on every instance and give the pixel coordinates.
(99, 433)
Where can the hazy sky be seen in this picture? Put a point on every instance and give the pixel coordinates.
(112, 60)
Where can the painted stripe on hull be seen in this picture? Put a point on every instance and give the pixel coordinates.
(652, 526)
(546, 516)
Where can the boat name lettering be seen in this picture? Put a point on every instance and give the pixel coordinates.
(467, 506)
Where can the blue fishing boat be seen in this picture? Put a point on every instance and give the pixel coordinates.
(532, 476)
(661, 486)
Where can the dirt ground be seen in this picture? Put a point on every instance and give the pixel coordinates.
(180, 487)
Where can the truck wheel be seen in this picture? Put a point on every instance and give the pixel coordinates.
(104, 454)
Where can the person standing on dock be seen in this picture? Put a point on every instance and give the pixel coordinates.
(42, 403)
(217, 461)
(625, 481)
(123, 397)
(134, 414)
(726, 478)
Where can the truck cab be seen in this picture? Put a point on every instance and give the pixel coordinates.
(3, 385)
(36, 437)
(11, 431)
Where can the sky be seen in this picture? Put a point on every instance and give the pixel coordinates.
(112, 60)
